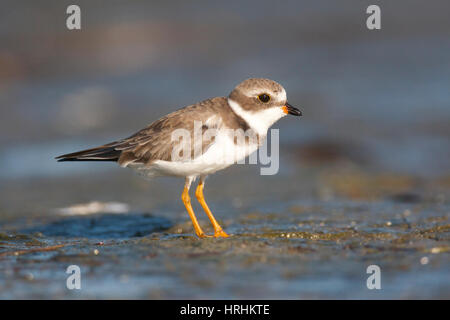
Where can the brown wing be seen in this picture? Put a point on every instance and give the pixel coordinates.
(155, 141)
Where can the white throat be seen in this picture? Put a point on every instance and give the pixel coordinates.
(260, 121)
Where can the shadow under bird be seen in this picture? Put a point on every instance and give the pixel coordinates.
(252, 107)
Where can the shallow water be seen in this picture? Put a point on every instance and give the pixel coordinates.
(305, 255)
(301, 246)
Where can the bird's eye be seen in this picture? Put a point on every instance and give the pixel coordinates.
(264, 98)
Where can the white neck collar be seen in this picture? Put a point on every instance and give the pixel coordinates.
(260, 121)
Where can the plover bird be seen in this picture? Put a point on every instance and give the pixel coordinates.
(160, 150)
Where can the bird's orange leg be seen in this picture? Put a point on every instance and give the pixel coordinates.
(187, 203)
(218, 231)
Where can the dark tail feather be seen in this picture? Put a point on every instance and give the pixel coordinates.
(102, 153)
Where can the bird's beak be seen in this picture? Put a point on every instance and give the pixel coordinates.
(288, 109)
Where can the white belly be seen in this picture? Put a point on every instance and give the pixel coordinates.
(220, 155)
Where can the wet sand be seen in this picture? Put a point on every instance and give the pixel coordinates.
(295, 242)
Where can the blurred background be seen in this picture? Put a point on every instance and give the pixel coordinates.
(373, 144)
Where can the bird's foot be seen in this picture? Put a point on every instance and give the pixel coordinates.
(220, 234)
(217, 234)
(203, 235)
